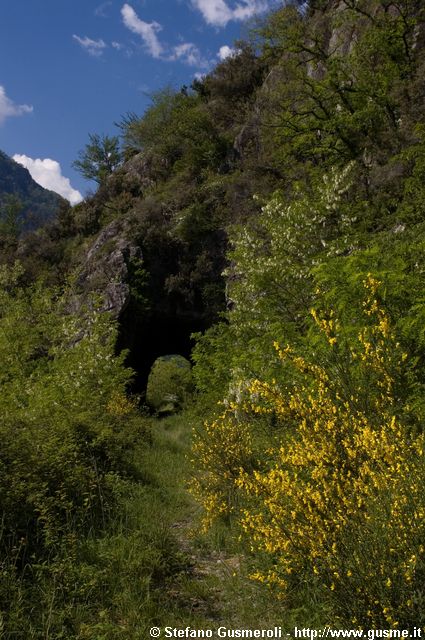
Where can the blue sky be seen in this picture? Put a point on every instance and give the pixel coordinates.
(73, 67)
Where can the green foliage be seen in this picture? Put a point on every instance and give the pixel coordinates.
(99, 158)
(132, 576)
(340, 100)
(60, 449)
(231, 87)
(142, 134)
(169, 384)
(211, 371)
(270, 286)
(320, 119)
(322, 442)
(176, 133)
(138, 279)
(37, 205)
(330, 494)
(10, 221)
(411, 209)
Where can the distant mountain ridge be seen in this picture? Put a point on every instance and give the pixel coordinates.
(38, 204)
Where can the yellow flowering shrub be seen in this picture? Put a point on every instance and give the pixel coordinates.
(220, 450)
(119, 404)
(341, 498)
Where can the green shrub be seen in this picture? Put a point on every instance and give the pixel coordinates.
(66, 422)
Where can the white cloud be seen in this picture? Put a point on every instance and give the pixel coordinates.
(93, 47)
(249, 8)
(146, 30)
(101, 10)
(215, 12)
(8, 108)
(225, 51)
(186, 52)
(218, 13)
(190, 54)
(48, 174)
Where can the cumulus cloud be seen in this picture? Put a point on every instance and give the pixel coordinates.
(185, 52)
(215, 12)
(225, 51)
(189, 53)
(146, 30)
(218, 12)
(249, 8)
(48, 174)
(8, 108)
(93, 47)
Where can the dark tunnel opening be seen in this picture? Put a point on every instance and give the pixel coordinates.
(146, 340)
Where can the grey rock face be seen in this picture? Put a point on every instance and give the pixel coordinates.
(139, 168)
(105, 268)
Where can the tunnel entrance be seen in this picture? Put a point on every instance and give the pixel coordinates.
(147, 339)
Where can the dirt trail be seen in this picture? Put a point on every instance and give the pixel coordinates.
(200, 586)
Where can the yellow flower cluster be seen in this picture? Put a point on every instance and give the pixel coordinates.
(220, 451)
(120, 405)
(328, 326)
(343, 495)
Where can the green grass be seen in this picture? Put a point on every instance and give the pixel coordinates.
(149, 568)
(135, 575)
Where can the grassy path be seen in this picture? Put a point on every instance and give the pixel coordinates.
(191, 594)
(204, 583)
(148, 568)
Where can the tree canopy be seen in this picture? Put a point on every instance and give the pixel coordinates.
(100, 157)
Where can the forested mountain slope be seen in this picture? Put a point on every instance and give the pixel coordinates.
(36, 205)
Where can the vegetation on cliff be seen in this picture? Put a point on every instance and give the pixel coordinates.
(323, 418)
(275, 210)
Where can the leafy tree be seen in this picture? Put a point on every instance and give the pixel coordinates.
(176, 133)
(169, 384)
(100, 157)
(270, 288)
(320, 459)
(339, 99)
(231, 86)
(143, 133)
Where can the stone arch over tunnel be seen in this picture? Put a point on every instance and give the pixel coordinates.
(147, 339)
